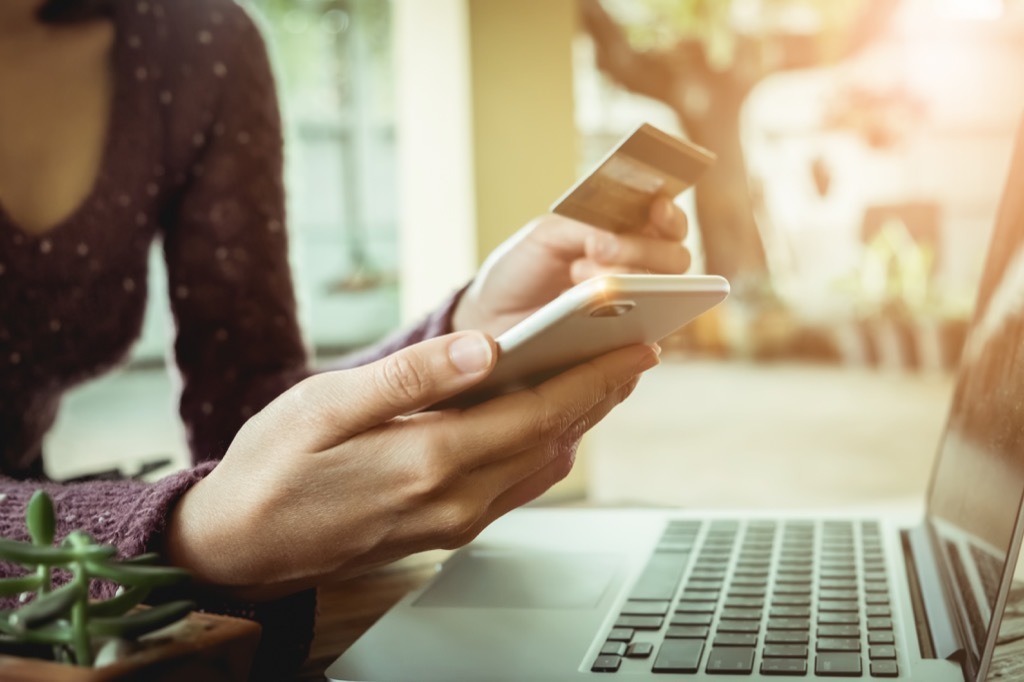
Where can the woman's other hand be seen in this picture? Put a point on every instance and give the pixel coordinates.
(553, 253)
(341, 474)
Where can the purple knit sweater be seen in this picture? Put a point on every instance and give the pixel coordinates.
(194, 158)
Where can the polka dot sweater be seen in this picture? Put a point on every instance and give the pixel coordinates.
(193, 158)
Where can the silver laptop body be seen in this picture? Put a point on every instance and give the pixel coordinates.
(563, 595)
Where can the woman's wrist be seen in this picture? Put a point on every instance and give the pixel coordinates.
(221, 551)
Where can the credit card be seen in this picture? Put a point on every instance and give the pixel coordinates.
(617, 194)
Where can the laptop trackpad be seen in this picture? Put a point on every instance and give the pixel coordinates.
(523, 580)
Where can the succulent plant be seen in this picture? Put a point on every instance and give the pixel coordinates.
(63, 619)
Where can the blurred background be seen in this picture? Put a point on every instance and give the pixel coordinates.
(862, 148)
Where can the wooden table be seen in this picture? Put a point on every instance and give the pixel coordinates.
(348, 609)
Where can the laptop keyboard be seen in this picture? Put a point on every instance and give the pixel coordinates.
(788, 598)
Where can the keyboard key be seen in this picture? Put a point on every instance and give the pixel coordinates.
(838, 665)
(838, 631)
(785, 651)
(660, 577)
(738, 626)
(838, 644)
(700, 596)
(606, 664)
(786, 637)
(704, 585)
(645, 608)
(640, 622)
(613, 649)
(783, 666)
(639, 650)
(731, 639)
(679, 656)
(838, 595)
(747, 592)
(879, 623)
(879, 611)
(620, 634)
(730, 660)
(802, 589)
(839, 618)
(791, 600)
(788, 624)
(837, 607)
(879, 637)
(884, 651)
(688, 632)
(695, 607)
(743, 603)
(790, 612)
(838, 584)
(690, 619)
(877, 599)
(884, 669)
(741, 614)
(708, 574)
(801, 578)
(757, 567)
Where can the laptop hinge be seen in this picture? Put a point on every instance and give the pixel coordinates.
(943, 635)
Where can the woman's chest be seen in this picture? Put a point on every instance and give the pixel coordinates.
(69, 308)
(55, 120)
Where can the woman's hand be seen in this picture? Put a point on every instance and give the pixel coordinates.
(553, 253)
(339, 474)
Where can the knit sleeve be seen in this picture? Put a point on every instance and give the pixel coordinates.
(132, 516)
(237, 342)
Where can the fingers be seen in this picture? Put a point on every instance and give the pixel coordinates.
(518, 480)
(334, 406)
(654, 254)
(500, 476)
(512, 423)
(666, 219)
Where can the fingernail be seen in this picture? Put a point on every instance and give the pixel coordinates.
(657, 348)
(470, 353)
(650, 360)
(666, 212)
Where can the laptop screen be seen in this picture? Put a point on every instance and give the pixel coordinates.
(978, 483)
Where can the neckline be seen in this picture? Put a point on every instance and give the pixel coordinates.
(114, 124)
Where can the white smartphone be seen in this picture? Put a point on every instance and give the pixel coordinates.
(593, 318)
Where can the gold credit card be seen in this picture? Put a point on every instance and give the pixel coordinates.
(617, 195)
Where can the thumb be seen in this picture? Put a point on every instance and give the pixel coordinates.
(349, 402)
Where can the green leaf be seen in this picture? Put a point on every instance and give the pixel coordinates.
(121, 604)
(49, 607)
(31, 555)
(10, 587)
(85, 547)
(147, 558)
(41, 519)
(139, 623)
(134, 575)
(54, 633)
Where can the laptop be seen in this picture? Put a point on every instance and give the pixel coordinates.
(563, 595)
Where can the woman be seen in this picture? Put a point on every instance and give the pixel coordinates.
(128, 121)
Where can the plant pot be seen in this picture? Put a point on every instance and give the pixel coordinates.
(202, 647)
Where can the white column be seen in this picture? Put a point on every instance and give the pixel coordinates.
(437, 236)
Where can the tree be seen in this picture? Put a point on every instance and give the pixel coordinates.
(699, 59)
